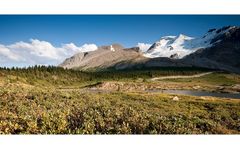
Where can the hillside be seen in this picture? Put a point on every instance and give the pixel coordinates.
(104, 57)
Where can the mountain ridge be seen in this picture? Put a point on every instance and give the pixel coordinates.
(208, 51)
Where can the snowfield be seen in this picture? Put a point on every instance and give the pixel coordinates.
(177, 47)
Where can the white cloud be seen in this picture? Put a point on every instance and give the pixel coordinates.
(7, 53)
(36, 52)
(37, 48)
(83, 48)
(143, 46)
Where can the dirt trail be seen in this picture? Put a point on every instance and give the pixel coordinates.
(181, 77)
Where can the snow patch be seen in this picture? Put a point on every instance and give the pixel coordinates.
(112, 49)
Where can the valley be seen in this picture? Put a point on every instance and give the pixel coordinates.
(53, 100)
(177, 85)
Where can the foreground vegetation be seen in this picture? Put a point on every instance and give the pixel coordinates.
(58, 112)
(33, 101)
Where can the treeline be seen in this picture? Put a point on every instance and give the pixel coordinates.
(46, 75)
(147, 72)
(59, 75)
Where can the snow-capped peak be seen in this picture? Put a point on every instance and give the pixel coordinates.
(169, 46)
(182, 45)
(184, 37)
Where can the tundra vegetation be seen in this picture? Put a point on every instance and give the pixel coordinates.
(52, 100)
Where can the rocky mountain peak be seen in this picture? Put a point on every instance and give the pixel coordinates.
(112, 47)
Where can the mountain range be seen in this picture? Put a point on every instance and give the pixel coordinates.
(216, 49)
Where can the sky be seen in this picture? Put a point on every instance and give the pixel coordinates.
(49, 39)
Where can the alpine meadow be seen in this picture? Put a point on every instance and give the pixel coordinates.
(153, 77)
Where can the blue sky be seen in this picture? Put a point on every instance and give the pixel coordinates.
(49, 39)
(101, 30)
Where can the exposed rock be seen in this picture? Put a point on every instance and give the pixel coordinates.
(196, 87)
(211, 30)
(103, 57)
(170, 48)
(175, 98)
(203, 98)
(174, 56)
(236, 87)
(221, 88)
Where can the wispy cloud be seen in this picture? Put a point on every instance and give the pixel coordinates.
(37, 52)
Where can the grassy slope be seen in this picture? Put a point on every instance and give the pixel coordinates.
(31, 102)
(213, 79)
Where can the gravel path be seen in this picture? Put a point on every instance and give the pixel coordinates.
(181, 77)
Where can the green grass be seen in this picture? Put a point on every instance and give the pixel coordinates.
(213, 79)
